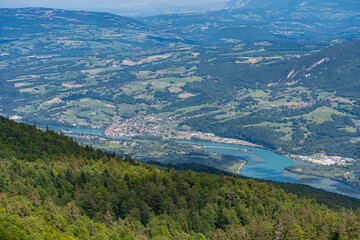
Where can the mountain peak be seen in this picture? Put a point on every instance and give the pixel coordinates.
(234, 4)
(292, 4)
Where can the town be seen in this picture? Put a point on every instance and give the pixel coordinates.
(162, 127)
(322, 159)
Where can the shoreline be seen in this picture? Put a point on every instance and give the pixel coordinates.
(232, 148)
(301, 177)
(242, 164)
(237, 142)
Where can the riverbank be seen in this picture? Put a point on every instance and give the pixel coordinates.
(264, 164)
(233, 148)
(322, 159)
(238, 170)
(200, 136)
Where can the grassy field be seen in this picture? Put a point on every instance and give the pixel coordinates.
(321, 114)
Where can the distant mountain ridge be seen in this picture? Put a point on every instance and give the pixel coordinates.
(251, 19)
(294, 20)
(128, 33)
(233, 4)
(28, 16)
(292, 4)
(163, 8)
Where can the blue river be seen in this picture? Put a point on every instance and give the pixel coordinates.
(268, 165)
(261, 163)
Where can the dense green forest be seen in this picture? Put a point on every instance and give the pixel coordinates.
(52, 188)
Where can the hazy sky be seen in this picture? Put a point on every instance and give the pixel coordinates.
(95, 3)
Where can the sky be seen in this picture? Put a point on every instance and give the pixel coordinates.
(87, 4)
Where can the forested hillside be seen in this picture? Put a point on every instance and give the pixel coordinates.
(327, 82)
(50, 187)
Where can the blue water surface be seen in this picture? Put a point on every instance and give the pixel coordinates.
(268, 165)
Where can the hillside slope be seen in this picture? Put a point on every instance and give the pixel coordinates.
(16, 22)
(75, 29)
(306, 105)
(83, 194)
(336, 68)
(333, 69)
(31, 16)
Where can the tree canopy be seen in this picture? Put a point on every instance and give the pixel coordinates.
(66, 191)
